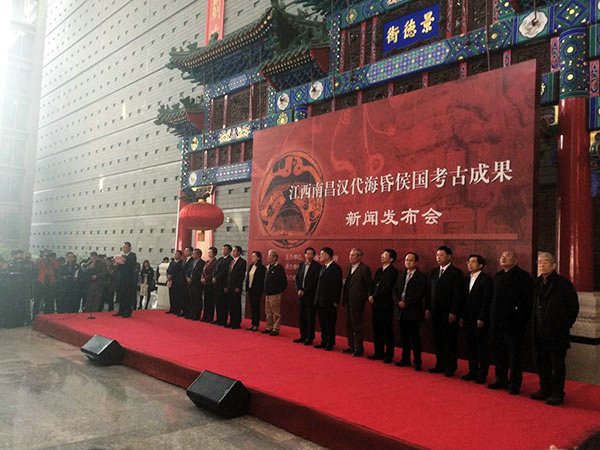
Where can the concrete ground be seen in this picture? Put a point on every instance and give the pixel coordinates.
(51, 397)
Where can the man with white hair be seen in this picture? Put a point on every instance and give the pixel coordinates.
(555, 310)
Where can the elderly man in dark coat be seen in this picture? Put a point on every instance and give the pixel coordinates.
(555, 310)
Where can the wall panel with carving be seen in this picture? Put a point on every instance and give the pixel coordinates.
(534, 50)
(236, 153)
(346, 101)
(238, 107)
(248, 151)
(407, 84)
(375, 93)
(218, 107)
(261, 100)
(480, 64)
(223, 155)
(321, 108)
(211, 158)
(444, 74)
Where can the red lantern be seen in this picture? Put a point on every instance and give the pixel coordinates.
(201, 216)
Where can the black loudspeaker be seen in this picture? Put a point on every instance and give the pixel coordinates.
(103, 350)
(221, 395)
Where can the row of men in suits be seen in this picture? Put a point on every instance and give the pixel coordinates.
(501, 307)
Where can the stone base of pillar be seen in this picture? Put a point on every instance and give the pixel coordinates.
(583, 358)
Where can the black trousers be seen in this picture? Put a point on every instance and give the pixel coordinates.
(254, 296)
(478, 352)
(235, 307)
(383, 331)
(507, 352)
(307, 315)
(222, 305)
(126, 298)
(44, 294)
(327, 320)
(411, 339)
(551, 368)
(71, 299)
(208, 314)
(354, 328)
(196, 301)
(174, 299)
(445, 336)
(184, 299)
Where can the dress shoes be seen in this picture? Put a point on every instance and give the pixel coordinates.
(274, 333)
(125, 316)
(375, 357)
(117, 314)
(402, 363)
(308, 342)
(250, 328)
(555, 400)
(436, 370)
(214, 322)
(180, 315)
(227, 325)
(498, 385)
(513, 390)
(357, 354)
(481, 380)
(329, 348)
(299, 340)
(470, 376)
(266, 331)
(539, 395)
(169, 312)
(235, 327)
(348, 350)
(449, 373)
(387, 360)
(321, 345)
(417, 367)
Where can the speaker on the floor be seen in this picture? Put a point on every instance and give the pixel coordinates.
(221, 395)
(103, 350)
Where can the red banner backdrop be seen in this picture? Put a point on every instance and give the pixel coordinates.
(452, 164)
(215, 17)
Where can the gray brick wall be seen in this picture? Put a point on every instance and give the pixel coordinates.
(104, 172)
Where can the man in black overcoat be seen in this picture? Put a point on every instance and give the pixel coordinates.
(307, 278)
(327, 297)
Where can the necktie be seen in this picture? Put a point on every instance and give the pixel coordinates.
(408, 276)
(306, 267)
(441, 272)
(231, 265)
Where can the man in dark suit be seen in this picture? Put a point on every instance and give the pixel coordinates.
(382, 301)
(355, 296)
(185, 294)
(208, 287)
(327, 297)
(510, 312)
(195, 284)
(220, 282)
(475, 319)
(175, 276)
(235, 281)
(275, 285)
(127, 276)
(409, 297)
(444, 303)
(307, 278)
(555, 311)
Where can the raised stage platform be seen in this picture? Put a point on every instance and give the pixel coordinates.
(334, 399)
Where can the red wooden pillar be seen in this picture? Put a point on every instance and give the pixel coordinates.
(184, 235)
(574, 235)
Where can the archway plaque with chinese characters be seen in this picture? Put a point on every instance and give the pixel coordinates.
(452, 164)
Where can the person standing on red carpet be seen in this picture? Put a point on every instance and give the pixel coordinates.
(127, 281)
(409, 297)
(555, 310)
(307, 278)
(475, 319)
(208, 313)
(220, 283)
(355, 296)
(275, 284)
(445, 302)
(195, 284)
(510, 312)
(382, 302)
(235, 281)
(255, 287)
(327, 297)
(175, 279)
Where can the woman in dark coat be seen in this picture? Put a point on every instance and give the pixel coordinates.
(255, 285)
(147, 284)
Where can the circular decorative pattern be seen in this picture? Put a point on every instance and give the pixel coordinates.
(283, 101)
(570, 49)
(351, 16)
(570, 77)
(282, 119)
(290, 220)
(316, 90)
(192, 179)
(195, 143)
(533, 24)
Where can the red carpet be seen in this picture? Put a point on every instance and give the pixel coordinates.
(336, 400)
